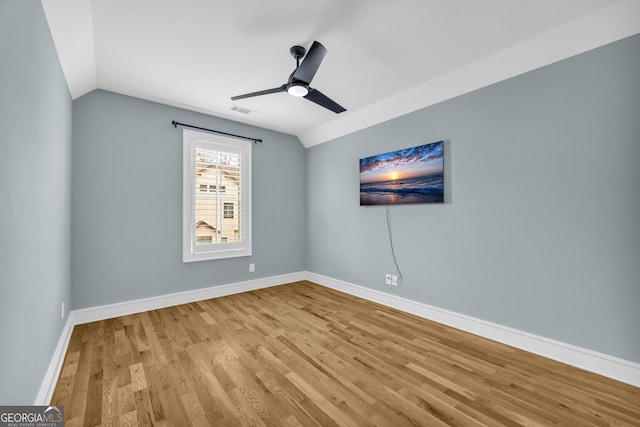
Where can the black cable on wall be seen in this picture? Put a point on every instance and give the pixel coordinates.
(393, 252)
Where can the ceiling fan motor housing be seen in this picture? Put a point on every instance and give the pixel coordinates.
(297, 52)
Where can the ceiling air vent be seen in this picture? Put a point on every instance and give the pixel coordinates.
(242, 110)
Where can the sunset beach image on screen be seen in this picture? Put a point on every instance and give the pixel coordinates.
(411, 175)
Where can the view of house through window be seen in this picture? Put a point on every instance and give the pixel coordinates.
(216, 197)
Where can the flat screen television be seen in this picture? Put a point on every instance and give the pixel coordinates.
(411, 175)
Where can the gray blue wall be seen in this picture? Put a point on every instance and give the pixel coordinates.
(35, 194)
(127, 203)
(542, 229)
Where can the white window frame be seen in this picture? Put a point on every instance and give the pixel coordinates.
(190, 251)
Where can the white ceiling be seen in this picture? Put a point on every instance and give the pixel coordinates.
(384, 58)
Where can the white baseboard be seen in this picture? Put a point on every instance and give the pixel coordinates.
(53, 371)
(102, 312)
(599, 363)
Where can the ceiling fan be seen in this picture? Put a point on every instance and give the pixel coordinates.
(300, 78)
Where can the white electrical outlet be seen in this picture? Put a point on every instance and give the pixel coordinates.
(252, 268)
(394, 280)
(387, 279)
(62, 311)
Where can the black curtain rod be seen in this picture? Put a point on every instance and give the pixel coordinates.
(255, 140)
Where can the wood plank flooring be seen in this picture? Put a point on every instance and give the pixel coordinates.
(304, 355)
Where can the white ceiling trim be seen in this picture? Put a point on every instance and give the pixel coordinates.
(597, 29)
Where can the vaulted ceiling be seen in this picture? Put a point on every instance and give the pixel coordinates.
(384, 58)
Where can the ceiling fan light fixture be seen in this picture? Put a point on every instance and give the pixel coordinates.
(298, 90)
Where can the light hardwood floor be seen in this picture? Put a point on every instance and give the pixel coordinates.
(304, 355)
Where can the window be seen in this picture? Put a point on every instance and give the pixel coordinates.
(216, 197)
(228, 210)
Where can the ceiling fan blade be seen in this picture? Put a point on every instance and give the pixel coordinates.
(282, 88)
(324, 101)
(310, 63)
